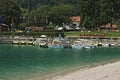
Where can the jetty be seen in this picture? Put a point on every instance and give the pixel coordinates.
(66, 42)
(17, 40)
(6, 40)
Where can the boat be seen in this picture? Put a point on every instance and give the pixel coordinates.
(43, 43)
(30, 41)
(89, 47)
(66, 44)
(105, 45)
(77, 45)
(36, 42)
(22, 42)
(16, 42)
(99, 44)
(55, 46)
(56, 43)
(112, 45)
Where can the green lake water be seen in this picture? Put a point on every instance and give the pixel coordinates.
(31, 62)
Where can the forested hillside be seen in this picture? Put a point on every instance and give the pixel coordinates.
(93, 13)
(34, 3)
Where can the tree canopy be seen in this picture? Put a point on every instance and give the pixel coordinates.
(93, 13)
(9, 10)
(61, 13)
(98, 12)
(38, 16)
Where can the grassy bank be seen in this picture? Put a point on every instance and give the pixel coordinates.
(108, 34)
(72, 33)
(31, 33)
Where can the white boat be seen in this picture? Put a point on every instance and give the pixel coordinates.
(43, 43)
(77, 45)
(15, 41)
(105, 45)
(55, 46)
(36, 42)
(29, 41)
(22, 42)
(112, 45)
(87, 47)
(56, 43)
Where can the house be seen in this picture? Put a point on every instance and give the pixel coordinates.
(4, 27)
(34, 28)
(75, 21)
(109, 27)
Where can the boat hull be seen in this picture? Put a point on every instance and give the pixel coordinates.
(76, 46)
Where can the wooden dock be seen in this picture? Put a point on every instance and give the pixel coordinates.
(18, 39)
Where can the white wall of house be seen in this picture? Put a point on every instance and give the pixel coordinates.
(76, 23)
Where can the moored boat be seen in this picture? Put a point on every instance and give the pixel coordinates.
(16, 42)
(112, 45)
(89, 47)
(56, 43)
(105, 45)
(43, 44)
(55, 46)
(77, 45)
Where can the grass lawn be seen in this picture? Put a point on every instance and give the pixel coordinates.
(71, 33)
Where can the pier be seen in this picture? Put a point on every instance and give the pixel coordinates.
(84, 40)
(97, 40)
(6, 40)
(17, 40)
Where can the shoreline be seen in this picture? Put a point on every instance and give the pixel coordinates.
(98, 41)
(108, 71)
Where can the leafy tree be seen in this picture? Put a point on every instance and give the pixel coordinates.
(89, 12)
(9, 9)
(98, 12)
(33, 3)
(93, 12)
(61, 13)
(38, 16)
(110, 10)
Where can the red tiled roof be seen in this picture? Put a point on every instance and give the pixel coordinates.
(75, 18)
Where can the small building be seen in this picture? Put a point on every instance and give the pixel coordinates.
(34, 28)
(4, 27)
(109, 27)
(75, 21)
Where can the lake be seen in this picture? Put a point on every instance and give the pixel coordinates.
(31, 62)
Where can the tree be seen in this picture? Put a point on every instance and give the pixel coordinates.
(110, 11)
(61, 13)
(89, 12)
(38, 16)
(98, 12)
(9, 10)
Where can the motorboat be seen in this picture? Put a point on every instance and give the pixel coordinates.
(77, 45)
